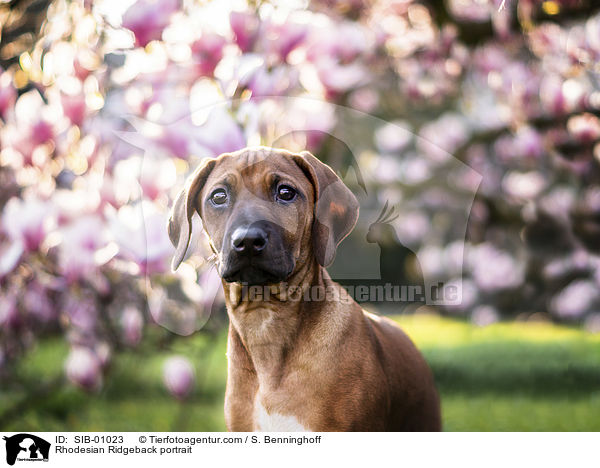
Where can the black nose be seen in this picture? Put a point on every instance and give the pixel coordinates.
(249, 240)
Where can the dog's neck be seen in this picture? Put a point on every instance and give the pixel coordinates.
(268, 327)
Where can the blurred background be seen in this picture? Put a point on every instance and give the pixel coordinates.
(477, 121)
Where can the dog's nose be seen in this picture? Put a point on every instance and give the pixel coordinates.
(249, 240)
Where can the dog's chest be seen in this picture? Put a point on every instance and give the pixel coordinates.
(275, 422)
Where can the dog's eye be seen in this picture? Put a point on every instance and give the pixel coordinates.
(218, 197)
(286, 193)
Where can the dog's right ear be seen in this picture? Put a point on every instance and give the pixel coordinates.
(180, 221)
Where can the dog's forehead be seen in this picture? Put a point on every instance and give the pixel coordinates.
(254, 166)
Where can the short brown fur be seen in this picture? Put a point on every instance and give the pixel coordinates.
(329, 364)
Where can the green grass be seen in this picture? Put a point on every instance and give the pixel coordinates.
(504, 377)
(511, 376)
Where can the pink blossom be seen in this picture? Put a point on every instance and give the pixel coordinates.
(524, 185)
(81, 312)
(9, 314)
(79, 250)
(207, 52)
(337, 55)
(212, 290)
(80, 68)
(83, 368)
(470, 10)
(148, 18)
(484, 315)
(155, 175)
(10, 255)
(281, 38)
(37, 303)
(42, 131)
(176, 139)
(494, 269)
(274, 82)
(584, 128)
(338, 78)
(220, 134)
(140, 234)
(345, 43)
(528, 143)
(574, 300)
(245, 26)
(27, 221)
(364, 99)
(501, 21)
(8, 94)
(132, 323)
(393, 137)
(74, 107)
(468, 294)
(551, 94)
(441, 137)
(179, 376)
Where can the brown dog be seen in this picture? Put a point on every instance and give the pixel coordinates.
(274, 220)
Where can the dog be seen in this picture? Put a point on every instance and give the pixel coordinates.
(274, 219)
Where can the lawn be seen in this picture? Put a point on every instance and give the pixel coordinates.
(505, 377)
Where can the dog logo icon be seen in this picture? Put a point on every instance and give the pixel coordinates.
(26, 447)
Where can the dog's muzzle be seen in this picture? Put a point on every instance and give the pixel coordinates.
(255, 255)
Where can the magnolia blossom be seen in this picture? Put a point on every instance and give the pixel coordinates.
(27, 221)
(83, 368)
(468, 293)
(81, 313)
(179, 376)
(155, 175)
(37, 303)
(337, 55)
(245, 26)
(575, 299)
(9, 257)
(527, 143)
(494, 269)
(220, 134)
(207, 52)
(484, 315)
(393, 137)
(524, 186)
(8, 94)
(132, 323)
(9, 314)
(470, 10)
(441, 137)
(274, 82)
(83, 247)
(148, 18)
(584, 127)
(281, 38)
(74, 107)
(141, 235)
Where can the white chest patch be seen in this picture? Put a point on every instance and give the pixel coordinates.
(276, 422)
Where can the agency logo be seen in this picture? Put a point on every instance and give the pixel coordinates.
(26, 447)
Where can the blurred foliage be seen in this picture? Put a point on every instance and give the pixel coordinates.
(503, 377)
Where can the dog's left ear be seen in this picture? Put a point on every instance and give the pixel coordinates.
(335, 211)
(180, 221)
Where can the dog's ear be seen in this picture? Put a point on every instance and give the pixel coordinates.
(180, 221)
(335, 211)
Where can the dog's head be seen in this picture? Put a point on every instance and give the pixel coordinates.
(265, 211)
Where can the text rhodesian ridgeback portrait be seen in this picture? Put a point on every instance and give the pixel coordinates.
(274, 219)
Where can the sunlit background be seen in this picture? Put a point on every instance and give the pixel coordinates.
(477, 120)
